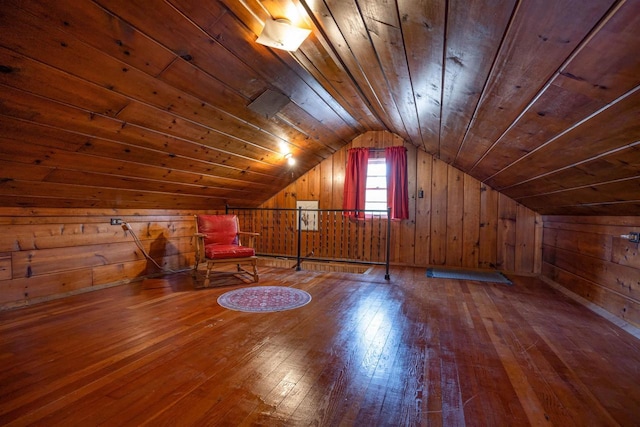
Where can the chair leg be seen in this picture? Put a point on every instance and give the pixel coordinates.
(255, 270)
(206, 277)
(242, 268)
(194, 272)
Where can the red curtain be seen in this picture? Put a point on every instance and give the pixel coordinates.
(355, 181)
(397, 187)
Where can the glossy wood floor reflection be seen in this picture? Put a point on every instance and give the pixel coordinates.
(413, 351)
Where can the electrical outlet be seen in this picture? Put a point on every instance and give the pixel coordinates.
(634, 237)
(116, 221)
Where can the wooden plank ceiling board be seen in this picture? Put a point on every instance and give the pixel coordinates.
(579, 90)
(611, 166)
(531, 52)
(113, 103)
(473, 34)
(423, 23)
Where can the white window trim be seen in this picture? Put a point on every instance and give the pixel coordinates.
(377, 205)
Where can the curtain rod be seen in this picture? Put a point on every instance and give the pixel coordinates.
(382, 149)
(377, 149)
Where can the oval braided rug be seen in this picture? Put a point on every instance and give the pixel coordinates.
(264, 299)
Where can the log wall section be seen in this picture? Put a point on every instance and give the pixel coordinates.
(458, 221)
(49, 253)
(587, 256)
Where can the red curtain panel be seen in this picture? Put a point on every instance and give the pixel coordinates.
(355, 181)
(397, 187)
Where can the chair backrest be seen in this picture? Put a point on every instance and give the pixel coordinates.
(219, 229)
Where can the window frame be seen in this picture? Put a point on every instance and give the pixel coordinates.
(379, 164)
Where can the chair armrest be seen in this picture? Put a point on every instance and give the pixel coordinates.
(251, 236)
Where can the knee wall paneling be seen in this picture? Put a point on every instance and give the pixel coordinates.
(587, 256)
(47, 253)
(458, 222)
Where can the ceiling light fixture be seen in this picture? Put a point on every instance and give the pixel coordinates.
(281, 34)
(290, 160)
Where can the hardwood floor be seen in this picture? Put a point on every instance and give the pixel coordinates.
(413, 351)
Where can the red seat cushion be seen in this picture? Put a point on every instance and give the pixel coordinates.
(228, 251)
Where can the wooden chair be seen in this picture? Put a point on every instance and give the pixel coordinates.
(218, 242)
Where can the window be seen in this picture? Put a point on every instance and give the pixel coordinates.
(368, 185)
(376, 186)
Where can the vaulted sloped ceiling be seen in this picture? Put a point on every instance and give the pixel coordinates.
(146, 104)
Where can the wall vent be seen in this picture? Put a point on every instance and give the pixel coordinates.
(269, 103)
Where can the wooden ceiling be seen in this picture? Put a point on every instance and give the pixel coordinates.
(144, 104)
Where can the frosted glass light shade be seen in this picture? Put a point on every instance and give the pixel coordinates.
(290, 160)
(281, 34)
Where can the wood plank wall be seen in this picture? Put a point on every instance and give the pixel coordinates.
(46, 253)
(458, 222)
(587, 256)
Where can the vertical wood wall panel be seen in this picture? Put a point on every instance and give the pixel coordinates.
(507, 232)
(408, 227)
(455, 212)
(471, 222)
(326, 184)
(423, 208)
(439, 181)
(525, 236)
(488, 257)
(587, 256)
(457, 222)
